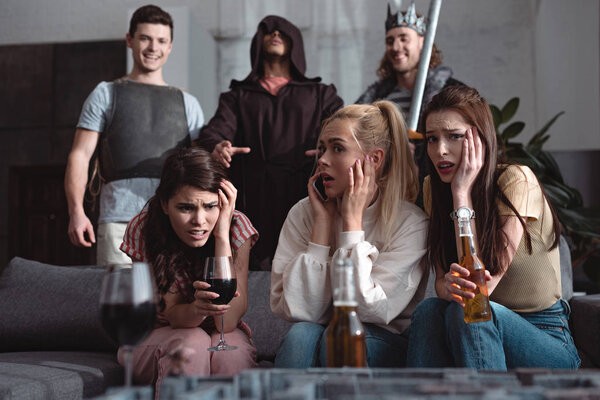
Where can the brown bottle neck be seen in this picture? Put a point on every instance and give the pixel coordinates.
(468, 246)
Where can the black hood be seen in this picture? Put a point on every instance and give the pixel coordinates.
(297, 57)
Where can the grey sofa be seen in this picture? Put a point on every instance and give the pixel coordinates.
(52, 345)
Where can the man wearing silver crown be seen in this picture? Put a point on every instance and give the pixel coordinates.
(398, 70)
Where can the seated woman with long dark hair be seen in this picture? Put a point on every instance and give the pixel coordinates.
(517, 232)
(192, 217)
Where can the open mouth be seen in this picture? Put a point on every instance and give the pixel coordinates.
(151, 57)
(444, 167)
(198, 234)
(327, 179)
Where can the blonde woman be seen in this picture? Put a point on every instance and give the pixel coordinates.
(370, 181)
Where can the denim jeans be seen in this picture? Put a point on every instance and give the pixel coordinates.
(439, 337)
(304, 346)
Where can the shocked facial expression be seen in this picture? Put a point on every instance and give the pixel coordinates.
(445, 132)
(403, 49)
(338, 151)
(193, 214)
(276, 44)
(150, 46)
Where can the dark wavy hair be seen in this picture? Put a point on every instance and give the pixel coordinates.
(492, 240)
(164, 250)
(150, 14)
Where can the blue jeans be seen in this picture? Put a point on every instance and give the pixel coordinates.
(439, 337)
(304, 347)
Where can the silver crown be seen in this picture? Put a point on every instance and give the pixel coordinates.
(407, 20)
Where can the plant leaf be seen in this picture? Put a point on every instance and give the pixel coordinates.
(509, 109)
(513, 130)
(496, 115)
(542, 131)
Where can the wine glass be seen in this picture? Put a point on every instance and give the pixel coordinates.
(128, 307)
(219, 273)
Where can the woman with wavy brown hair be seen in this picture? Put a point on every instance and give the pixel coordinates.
(518, 234)
(192, 217)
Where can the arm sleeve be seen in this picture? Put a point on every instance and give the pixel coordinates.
(242, 230)
(387, 281)
(300, 285)
(133, 242)
(331, 102)
(194, 115)
(96, 108)
(368, 95)
(523, 190)
(223, 126)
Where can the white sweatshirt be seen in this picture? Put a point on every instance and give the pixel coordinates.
(390, 281)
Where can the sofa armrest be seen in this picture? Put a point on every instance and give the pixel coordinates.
(585, 324)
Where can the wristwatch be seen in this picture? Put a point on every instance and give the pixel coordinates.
(462, 212)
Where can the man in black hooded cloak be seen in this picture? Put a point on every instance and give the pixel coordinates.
(264, 125)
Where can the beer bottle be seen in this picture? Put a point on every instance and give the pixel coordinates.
(345, 337)
(476, 309)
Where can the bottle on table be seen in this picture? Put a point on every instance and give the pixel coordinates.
(476, 309)
(345, 337)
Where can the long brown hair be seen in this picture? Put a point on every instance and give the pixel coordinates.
(492, 240)
(164, 250)
(380, 125)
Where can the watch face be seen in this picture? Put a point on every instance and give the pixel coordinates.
(463, 212)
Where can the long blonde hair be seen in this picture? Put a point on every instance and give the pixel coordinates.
(380, 125)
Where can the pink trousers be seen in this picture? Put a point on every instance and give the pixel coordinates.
(151, 361)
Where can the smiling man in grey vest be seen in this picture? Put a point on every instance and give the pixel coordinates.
(135, 121)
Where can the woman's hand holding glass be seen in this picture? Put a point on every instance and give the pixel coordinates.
(455, 281)
(358, 195)
(473, 155)
(203, 301)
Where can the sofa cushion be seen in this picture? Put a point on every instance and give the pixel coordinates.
(46, 307)
(267, 328)
(57, 375)
(585, 324)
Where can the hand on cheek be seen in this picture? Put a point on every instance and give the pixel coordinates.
(359, 193)
(470, 164)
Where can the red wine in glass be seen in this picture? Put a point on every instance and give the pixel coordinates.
(225, 288)
(128, 307)
(219, 272)
(128, 324)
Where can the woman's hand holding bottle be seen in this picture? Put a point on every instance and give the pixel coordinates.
(455, 281)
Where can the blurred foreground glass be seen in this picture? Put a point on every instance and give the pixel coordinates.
(128, 307)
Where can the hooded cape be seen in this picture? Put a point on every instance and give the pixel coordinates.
(278, 129)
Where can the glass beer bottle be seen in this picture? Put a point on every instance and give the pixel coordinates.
(476, 309)
(345, 337)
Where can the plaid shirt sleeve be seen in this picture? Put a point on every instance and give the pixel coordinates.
(241, 231)
(133, 242)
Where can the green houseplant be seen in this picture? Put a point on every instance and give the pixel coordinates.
(580, 224)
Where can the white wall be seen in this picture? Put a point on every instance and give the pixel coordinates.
(546, 52)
